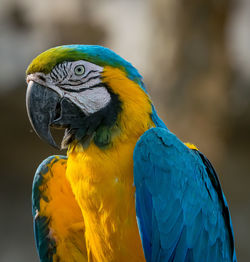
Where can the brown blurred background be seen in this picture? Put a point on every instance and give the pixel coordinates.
(194, 56)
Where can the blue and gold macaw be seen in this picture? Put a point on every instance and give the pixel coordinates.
(128, 189)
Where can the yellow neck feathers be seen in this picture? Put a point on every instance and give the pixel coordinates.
(102, 179)
(136, 106)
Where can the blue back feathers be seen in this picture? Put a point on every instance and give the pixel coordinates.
(181, 210)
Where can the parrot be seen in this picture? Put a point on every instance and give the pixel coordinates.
(128, 189)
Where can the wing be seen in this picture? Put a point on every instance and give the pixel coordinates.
(58, 222)
(181, 210)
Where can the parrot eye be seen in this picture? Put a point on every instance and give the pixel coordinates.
(79, 70)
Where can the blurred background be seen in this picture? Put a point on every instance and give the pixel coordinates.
(194, 56)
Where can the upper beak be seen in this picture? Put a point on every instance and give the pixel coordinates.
(42, 103)
(46, 108)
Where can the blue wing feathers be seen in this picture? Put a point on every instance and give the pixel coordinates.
(45, 245)
(181, 248)
(145, 224)
(225, 210)
(189, 256)
(179, 189)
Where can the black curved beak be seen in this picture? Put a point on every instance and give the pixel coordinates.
(47, 109)
(41, 104)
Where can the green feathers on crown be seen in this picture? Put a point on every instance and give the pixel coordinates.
(99, 55)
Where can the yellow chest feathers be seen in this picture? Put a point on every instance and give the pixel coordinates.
(103, 187)
(102, 179)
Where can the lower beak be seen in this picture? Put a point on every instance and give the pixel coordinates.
(42, 103)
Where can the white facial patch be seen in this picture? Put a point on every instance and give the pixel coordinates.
(90, 100)
(79, 81)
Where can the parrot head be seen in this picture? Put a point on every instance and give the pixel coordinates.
(89, 91)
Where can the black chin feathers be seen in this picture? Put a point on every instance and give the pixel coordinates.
(96, 127)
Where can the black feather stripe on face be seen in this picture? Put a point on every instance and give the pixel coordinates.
(96, 126)
(60, 71)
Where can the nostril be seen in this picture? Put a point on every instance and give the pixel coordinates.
(41, 78)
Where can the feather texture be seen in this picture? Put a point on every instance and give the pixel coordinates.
(58, 222)
(181, 210)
